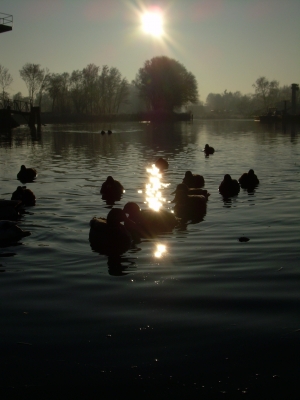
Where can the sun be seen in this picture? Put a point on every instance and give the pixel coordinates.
(152, 23)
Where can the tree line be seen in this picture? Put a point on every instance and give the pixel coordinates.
(162, 84)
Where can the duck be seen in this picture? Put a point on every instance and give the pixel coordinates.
(10, 210)
(11, 232)
(208, 149)
(25, 195)
(190, 207)
(102, 132)
(190, 191)
(248, 180)
(229, 187)
(108, 235)
(111, 189)
(161, 164)
(148, 223)
(109, 132)
(26, 174)
(193, 180)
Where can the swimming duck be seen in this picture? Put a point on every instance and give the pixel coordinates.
(208, 149)
(102, 132)
(111, 189)
(193, 180)
(26, 174)
(249, 180)
(189, 207)
(229, 187)
(10, 232)
(109, 132)
(149, 222)
(108, 235)
(190, 191)
(24, 194)
(161, 164)
(10, 210)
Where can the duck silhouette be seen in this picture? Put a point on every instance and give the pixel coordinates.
(208, 150)
(25, 195)
(149, 223)
(189, 191)
(11, 232)
(190, 207)
(26, 174)
(161, 164)
(249, 180)
(108, 236)
(111, 189)
(10, 210)
(229, 187)
(193, 180)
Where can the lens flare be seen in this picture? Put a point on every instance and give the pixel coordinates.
(152, 23)
(160, 250)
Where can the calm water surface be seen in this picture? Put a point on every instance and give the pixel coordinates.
(211, 317)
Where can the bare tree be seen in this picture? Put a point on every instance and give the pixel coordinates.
(33, 76)
(267, 91)
(5, 80)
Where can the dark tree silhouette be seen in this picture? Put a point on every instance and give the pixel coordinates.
(165, 84)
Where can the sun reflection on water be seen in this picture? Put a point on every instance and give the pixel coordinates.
(160, 250)
(153, 189)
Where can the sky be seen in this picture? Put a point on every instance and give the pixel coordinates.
(225, 44)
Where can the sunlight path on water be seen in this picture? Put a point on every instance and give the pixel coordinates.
(153, 189)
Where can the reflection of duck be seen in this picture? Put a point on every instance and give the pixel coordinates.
(249, 180)
(208, 149)
(25, 195)
(149, 222)
(10, 210)
(189, 207)
(26, 174)
(111, 189)
(109, 236)
(190, 191)
(193, 180)
(10, 232)
(161, 164)
(229, 187)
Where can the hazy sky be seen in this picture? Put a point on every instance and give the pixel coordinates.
(226, 44)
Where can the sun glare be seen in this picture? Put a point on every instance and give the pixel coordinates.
(152, 23)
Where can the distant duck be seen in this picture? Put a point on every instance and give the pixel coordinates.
(109, 132)
(193, 180)
(25, 195)
(111, 189)
(208, 149)
(10, 210)
(26, 174)
(10, 232)
(102, 132)
(108, 235)
(249, 180)
(189, 191)
(161, 164)
(149, 223)
(229, 187)
(190, 207)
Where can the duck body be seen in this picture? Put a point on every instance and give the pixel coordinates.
(189, 191)
(149, 223)
(190, 207)
(25, 195)
(10, 210)
(10, 232)
(229, 187)
(249, 180)
(111, 189)
(108, 235)
(26, 174)
(208, 150)
(193, 180)
(161, 164)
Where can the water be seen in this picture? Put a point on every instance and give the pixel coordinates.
(211, 317)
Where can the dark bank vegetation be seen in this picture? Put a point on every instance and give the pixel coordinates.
(161, 87)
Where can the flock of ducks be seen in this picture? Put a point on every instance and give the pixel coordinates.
(116, 233)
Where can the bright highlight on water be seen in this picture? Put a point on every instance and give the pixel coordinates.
(153, 189)
(160, 250)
